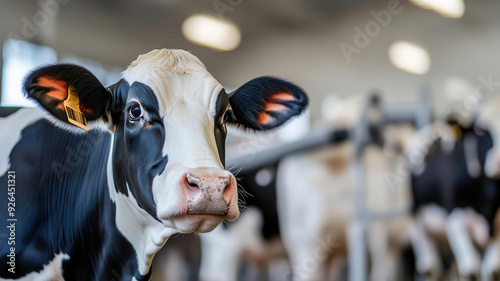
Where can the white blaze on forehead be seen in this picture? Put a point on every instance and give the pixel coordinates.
(176, 77)
(187, 95)
(190, 138)
(189, 143)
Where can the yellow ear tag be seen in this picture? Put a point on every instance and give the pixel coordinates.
(72, 107)
(457, 132)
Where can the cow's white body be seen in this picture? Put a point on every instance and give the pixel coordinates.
(315, 200)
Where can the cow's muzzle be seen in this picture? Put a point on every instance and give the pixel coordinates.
(208, 192)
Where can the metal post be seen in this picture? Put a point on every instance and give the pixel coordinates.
(423, 114)
(357, 228)
(418, 112)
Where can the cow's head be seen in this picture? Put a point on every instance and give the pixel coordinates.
(168, 118)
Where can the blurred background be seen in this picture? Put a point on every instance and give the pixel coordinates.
(426, 56)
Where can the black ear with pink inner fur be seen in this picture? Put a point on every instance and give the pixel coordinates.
(49, 87)
(266, 103)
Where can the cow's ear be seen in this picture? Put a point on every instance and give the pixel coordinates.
(70, 93)
(266, 103)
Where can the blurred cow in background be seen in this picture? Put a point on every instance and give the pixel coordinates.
(252, 243)
(239, 251)
(316, 204)
(316, 201)
(453, 169)
(178, 260)
(250, 248)
(243, 249)
(454, 165)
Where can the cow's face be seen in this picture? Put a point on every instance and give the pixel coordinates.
(169, 142)
(168, 117)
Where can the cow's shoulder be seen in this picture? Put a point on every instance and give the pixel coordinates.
(61, 194)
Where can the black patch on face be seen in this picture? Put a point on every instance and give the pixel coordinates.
(138, 145)
(222, 112)
(120, 92)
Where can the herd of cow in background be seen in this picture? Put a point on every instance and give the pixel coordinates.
(294, 224)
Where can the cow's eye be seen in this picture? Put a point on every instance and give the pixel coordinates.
(135, 112)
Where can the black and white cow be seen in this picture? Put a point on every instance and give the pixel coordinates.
(99, 205)
(455, 194)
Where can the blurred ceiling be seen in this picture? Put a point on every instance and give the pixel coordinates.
(122, 29)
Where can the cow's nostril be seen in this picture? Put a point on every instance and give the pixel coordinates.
(192, 181)
(227, 190)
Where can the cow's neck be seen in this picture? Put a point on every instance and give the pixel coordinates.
(146, 234)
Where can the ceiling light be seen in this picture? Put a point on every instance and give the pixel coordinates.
(211, 32)
(409, 57)
(446, 8)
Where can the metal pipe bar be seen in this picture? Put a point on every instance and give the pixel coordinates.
(273, 154)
